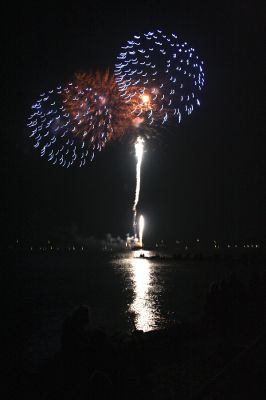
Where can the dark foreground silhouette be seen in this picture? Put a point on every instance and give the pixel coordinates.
(222, 356)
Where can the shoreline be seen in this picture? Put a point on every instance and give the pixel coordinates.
(189, 360)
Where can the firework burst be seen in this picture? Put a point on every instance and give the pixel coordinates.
(69, 135)
(68, 125)
(157, 78)
(165, 71)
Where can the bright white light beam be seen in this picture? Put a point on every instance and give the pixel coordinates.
(141, 229)
(139, 147)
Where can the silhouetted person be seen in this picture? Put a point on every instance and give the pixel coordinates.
(211, 305)
(75, 330)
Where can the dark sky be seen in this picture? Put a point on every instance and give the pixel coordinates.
(205, 178)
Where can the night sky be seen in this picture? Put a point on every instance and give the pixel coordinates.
(203, 178)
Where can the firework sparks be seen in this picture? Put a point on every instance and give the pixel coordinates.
(68, 124)
(158, 78)
(104, 84)
(165, 71)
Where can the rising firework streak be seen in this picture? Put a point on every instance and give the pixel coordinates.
(139, 146)
(141, 229)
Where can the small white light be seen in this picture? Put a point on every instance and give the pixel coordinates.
(145, 99)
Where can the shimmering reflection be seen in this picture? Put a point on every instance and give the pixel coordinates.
(143, 306)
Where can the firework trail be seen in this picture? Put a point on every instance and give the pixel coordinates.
(139, 145)
(141, 229)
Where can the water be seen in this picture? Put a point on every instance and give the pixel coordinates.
(122, 290)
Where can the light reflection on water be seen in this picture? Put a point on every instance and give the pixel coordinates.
(143, 308)
(157, 291)
(143, 305)
(160, 292)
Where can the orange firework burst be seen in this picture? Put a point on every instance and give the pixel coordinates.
(88, 113)
(105, 88)
(124, 112)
